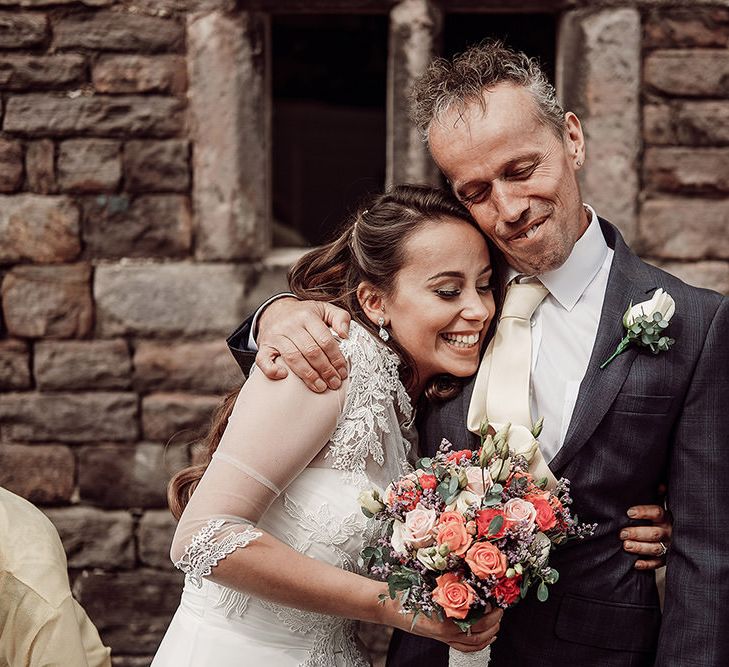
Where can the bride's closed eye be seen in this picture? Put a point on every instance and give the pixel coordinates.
(452, 293)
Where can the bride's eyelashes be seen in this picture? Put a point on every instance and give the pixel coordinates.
(453, 293)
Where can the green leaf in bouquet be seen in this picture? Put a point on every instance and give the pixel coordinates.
(464, 624)
(525, 583)
(542, 592)
(425, 463)
(519, 485)
(496, 489)
(366, 512)
(537, 428)
(442, 491)
(490, 501)
(541, 483)
(495, 525)
(552, 577)
(453, 484)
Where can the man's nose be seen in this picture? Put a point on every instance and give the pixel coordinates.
(509, 202)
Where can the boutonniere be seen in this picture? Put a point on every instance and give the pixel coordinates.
(645, 323)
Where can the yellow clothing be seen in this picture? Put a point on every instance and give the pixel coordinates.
(41, 625)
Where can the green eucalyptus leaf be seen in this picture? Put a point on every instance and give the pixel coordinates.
(542, 592)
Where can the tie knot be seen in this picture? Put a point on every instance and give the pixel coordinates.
(522, 299)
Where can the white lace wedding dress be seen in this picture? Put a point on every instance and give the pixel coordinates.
(290, 463)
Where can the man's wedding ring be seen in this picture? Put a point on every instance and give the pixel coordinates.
(664, 549)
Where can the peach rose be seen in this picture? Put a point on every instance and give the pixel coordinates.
(485, 560)
(448, 517)
(455, 536)
(518, 510)
(454, 595)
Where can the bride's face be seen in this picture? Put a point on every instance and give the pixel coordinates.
(443, 300)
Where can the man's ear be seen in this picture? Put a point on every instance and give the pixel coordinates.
(371, 301)
(574, 139)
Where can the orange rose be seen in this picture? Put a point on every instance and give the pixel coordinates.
(545, 514)
(447, 517)
(454, 595)
(485, 560)
(428, 481)
(454, 534)
(459, 456)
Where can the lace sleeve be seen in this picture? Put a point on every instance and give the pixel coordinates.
(275, 430)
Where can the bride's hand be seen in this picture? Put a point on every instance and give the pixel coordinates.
(481, 635)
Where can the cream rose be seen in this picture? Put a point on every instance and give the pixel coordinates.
(476, 480)
(416, 532)
(520, 511)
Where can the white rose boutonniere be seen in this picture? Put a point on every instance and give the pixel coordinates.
(645, 323)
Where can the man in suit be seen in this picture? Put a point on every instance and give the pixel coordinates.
(511, 155)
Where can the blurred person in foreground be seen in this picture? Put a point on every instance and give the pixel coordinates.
(41, 624)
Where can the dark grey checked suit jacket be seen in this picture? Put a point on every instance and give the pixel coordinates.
(642, 420)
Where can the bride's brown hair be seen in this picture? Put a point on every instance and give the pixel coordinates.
(370, 248)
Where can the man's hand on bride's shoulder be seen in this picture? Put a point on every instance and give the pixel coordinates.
(296, 335)
(652, 542)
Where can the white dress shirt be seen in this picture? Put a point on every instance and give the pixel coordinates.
(564, 328)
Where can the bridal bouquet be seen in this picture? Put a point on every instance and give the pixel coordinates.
(467, 531)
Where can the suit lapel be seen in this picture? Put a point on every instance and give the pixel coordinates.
(599, 387)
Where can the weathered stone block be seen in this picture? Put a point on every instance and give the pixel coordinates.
(11, 165)
(93, 538)
(44, 474)
(149, 226)
(97, 364)
(140, 74)
(695, 170)
(131, 609)
(22, 30)
(38, 228)
(14, 365)
(677, 228)
(686, 27)
(185, 416)
(68, 417)
(89, 165)
(157, 166)
(600, 53)
(689, 123)
(48, 301)
(156, 529)
(21, 72)
(117, 31)
(227, 81)
(40, 168)
(202, 367)
(169, 299)
(690, 72)
(34, 4)
(128, 115)
(270, 275)
(118, 476)
(712, 275)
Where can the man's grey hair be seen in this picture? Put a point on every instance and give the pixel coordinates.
(450, 84)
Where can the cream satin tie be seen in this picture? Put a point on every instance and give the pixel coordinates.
(501, 392)
(508, 389)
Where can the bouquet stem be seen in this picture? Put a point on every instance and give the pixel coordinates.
(476, 659)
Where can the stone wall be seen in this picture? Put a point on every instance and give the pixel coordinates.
(130, 244)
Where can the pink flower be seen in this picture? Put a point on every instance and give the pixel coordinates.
(416, 532)
(476, 480)
(519, 510)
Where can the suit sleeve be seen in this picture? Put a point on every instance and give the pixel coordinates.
(696, 614)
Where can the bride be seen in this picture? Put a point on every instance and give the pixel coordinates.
(271, 528)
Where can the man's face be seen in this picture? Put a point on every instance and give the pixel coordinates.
(515, 176)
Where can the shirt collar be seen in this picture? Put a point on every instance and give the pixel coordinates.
(569, 282)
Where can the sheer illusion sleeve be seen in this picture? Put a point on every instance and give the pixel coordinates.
(275, 430)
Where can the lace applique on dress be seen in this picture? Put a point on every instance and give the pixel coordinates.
(319, 526)
(374, 381)
(334, 638)
(205, 550)
(232, 602)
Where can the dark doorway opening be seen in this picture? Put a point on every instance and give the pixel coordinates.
(329, 86)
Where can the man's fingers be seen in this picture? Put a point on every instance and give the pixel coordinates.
(266, 360)
(653, 513)
(333, 366)
(337, 319)
(654, 534)
(653, 549)
(309, 345)
(292, 356)
(648, 564)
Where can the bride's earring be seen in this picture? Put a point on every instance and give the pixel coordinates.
(383, 333)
